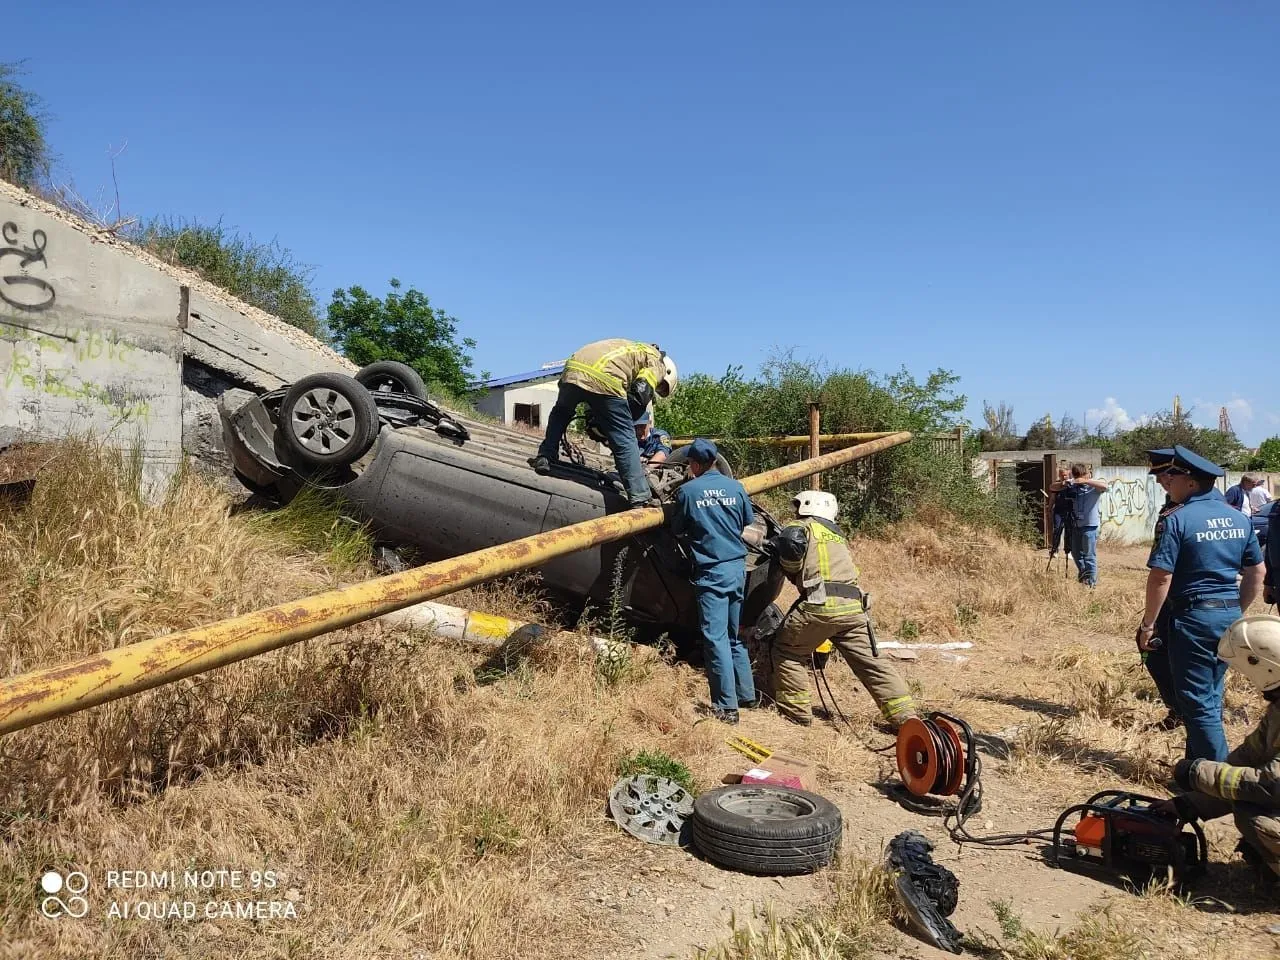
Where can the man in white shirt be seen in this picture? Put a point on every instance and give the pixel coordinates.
(1249, 495)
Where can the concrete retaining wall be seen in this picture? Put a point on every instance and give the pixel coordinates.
(1131, 505)
(98, 337)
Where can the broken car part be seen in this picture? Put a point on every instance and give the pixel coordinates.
(766, 830)
(927, 892)
(652, 809)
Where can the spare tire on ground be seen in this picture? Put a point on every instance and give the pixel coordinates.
(766, 830)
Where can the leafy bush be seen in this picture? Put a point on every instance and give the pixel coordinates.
(262, 274)
(24, 152)
(909, 480)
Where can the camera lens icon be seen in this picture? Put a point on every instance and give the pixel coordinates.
(73, 885)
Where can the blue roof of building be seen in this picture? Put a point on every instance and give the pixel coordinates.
(551, 370)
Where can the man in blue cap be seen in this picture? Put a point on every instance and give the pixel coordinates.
(711, 511)
(1201, 546)
(655, 444)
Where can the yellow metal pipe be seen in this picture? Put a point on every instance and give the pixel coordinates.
(790, 441)
(44, 694)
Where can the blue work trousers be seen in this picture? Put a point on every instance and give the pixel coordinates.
(1085, 548)
(613, 414)
(1198, 676)
(1157, 664)
(719, 590)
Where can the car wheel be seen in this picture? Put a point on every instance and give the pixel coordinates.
(392, 375)
(680, 456)
(765, 829)
(328, 420)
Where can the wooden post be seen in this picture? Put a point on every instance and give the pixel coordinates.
(993, 475)
(1050, 478)
(815, 429)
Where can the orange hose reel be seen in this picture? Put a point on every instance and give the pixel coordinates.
(935, 755)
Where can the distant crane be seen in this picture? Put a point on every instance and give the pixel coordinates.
(1224, 421)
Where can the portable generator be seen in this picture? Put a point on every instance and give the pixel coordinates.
(1119, 833)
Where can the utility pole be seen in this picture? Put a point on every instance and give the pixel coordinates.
(815, 430)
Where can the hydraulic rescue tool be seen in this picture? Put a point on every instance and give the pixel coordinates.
(1120, 833)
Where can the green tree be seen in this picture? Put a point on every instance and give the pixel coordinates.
(1041, 435)
(1268, 455)
(404, 327)
(24, 152)
(1165, 429)
(262, 274)
(910, 480)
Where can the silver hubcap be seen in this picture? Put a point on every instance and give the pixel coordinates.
(324, 420)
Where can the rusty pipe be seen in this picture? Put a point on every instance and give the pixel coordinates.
(50, 692)
(799, 440)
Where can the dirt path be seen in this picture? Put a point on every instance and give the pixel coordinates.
(667, 903)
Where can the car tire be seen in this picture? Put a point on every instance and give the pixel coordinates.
(328, 420)
(392, 375)
(765, 829)
(680, 456)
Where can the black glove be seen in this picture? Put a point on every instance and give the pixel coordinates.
(1187, 812)
(1182, 773)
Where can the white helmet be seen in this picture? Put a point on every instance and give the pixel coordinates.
(1252, 646)
(816, 503)
(667, 385)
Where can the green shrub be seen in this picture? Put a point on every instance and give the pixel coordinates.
(262, 274)
(655, 763)
(911, 480)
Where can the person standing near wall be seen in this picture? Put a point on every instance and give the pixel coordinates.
(1249, 495)
(1064, 499)
(1085, 515)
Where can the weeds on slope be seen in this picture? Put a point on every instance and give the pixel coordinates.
(89, 565)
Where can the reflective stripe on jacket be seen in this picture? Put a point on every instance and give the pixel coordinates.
(609, 367)
(1251, 772)
(827, 564)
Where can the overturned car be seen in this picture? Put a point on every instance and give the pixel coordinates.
(441, 484)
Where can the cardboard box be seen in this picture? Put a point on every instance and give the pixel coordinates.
(780, 771)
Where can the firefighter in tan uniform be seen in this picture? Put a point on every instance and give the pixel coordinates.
(1247, 783)
(617, 379)
(813, 552)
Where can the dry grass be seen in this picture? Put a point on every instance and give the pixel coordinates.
(851, 922)
(88, 565)
(414, 803)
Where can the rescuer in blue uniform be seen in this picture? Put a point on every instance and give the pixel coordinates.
(1201, 545)
(711, 511)
(655, 444)
(1157, 661)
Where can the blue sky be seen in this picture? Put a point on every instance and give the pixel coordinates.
(1073, 206)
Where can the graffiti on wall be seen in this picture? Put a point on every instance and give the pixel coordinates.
(18, 288)
(1131, 503)
(22, 368)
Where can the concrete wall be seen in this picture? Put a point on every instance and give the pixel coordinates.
(98, 338)
(502, 402)
(1131, 505)
(1128, 509)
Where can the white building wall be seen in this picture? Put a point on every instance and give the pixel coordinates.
(501, 401)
